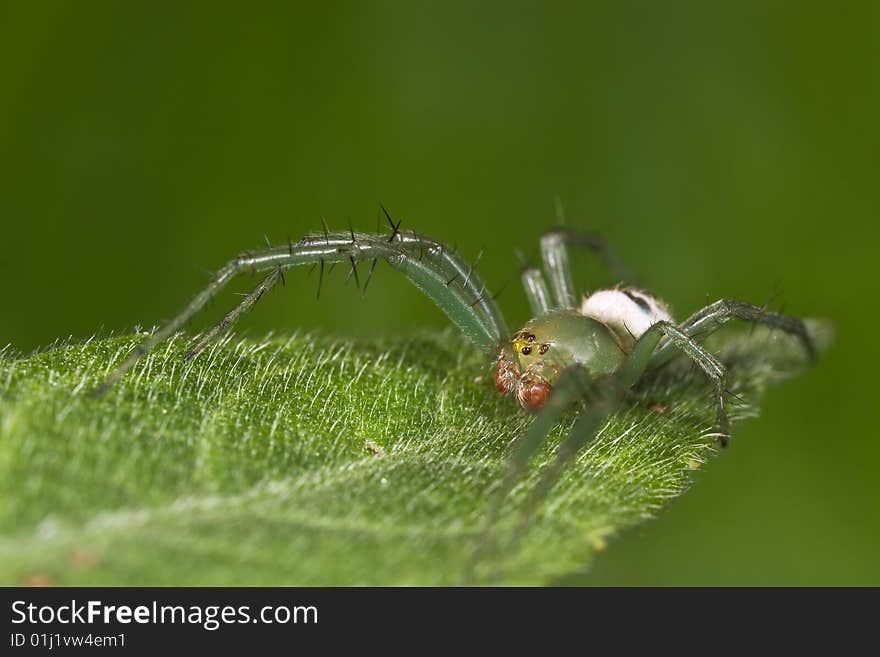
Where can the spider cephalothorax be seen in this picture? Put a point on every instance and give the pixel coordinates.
(590, 353)
(598, 335)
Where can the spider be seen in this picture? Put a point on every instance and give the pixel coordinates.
(585, 355)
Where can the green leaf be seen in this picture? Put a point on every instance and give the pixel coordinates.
(312, 461)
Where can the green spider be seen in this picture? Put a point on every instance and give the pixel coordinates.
(587, 355)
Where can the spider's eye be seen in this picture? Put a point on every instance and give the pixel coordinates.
(526, 351)
(543, 349)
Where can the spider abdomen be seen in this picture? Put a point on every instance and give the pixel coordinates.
(628, 312)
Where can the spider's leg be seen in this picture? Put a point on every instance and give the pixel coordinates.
(461, 275)
(602, 399)
(709, 319)
(571, 386)
(536, 291)
(426, 263)
(246, 304)
(555, 256)
(711, 366)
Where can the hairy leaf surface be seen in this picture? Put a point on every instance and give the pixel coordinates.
(313, 461)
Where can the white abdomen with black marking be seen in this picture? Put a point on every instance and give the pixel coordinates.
(626, 311)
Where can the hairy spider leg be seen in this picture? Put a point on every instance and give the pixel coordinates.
(437, 272)
(536, 291)
(464, 275)
(711, 366)
(711, 318)
(555, 256)
(246, 304)
(251, 300)
(572, 386)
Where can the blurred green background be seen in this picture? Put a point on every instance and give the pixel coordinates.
(726, 150)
